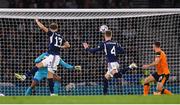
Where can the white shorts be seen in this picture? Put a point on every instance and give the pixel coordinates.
(112, 66)
(51, 62)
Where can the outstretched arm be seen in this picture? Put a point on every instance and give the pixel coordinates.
(41, 26)
(157, 59)
(68, 66)
(65, 65)
(93, 50)
(120, 50)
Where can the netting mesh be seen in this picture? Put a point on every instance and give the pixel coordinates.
(22, 41)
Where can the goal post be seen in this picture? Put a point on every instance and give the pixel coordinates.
(21, 41)
(82, 13)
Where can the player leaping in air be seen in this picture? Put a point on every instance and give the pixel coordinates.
(56, 42)
(111, 50)
(42, 73)
(162, 72)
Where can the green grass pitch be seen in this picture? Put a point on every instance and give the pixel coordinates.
(109, 99)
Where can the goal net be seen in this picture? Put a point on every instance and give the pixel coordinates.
(21, 41)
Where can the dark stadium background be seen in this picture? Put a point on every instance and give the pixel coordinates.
(89, 3)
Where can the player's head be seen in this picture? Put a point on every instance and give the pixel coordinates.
(108, 35)
(156, 46)
(53, 27)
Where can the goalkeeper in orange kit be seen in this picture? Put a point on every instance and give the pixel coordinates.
(162, 72)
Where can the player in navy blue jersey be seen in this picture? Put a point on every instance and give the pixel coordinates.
(56, 42)
(111, 50)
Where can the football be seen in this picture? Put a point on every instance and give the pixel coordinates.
(2, 94)
(103, 28)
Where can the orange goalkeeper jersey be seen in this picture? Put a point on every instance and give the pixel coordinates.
(162, 66)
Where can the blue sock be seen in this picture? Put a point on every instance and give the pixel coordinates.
(31, 72)
(56, 87)
(105, 84)
(28, 91)
(51, 85)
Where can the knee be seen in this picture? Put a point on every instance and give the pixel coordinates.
(33, 84)
(159, 87)
(113, 71)
(50, 75)
(37, 65)
(107, 76)
(146, 81)
(57, 78)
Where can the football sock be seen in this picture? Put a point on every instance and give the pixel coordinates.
(118, 75)
(146, 89)
(33, 91)
(165, 91)
(31, 72)
(57, 85)
(51, 85)
(28, 91)
(121, 72)
(124, 70)
(105, 84)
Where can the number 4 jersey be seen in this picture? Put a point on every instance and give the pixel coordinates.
(56, 40)
(111, 50)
